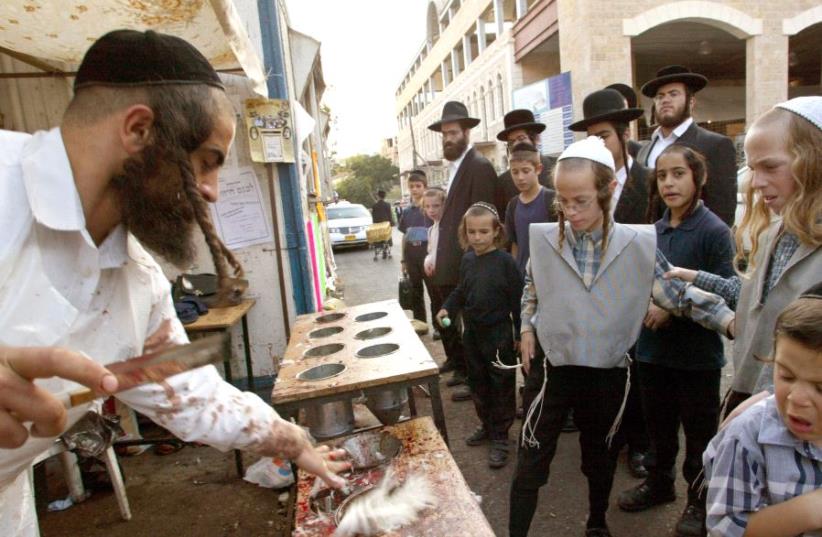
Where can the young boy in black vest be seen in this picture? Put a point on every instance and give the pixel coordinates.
(414, 225)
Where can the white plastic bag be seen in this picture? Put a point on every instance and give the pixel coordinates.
(270, 473)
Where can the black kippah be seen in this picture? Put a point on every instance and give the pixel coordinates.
(132, 58)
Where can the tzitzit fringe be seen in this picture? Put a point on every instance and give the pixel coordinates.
(618, 419)
(529, 424)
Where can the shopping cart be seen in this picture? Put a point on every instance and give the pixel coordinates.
(379, 238)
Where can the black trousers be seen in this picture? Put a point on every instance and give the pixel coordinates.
(595, 396)
(451, 337)
(414, 257)
(678, 396)
(492, 389)
(633, 429)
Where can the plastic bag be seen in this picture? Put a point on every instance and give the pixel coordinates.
(270, 473)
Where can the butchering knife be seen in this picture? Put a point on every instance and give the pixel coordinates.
(158, 366)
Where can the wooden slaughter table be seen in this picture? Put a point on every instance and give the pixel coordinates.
(456, 512)
(410, 365)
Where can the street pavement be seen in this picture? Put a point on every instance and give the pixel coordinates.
(563, 502)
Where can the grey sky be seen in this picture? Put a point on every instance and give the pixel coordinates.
(367, 46)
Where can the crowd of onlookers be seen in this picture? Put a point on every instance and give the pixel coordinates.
(607, 275)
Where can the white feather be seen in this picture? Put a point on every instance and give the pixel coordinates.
(387, 507)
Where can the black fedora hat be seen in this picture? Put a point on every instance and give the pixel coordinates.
(674, 73)
(627, 92)
(519, 119)
(454, 111)
(604, 105)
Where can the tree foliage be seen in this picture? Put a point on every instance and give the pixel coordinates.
(365, 175)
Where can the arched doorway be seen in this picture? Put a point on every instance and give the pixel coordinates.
(704, 48)
(805, 62)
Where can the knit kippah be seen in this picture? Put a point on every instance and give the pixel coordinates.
(591, 148)
(132, 58)
(809, 107)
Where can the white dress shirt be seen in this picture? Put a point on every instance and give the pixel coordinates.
(57, 288)
(660, 142)
(621, 177)
(454, 166)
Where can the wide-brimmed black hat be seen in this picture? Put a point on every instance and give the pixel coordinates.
(519, 119)
(454, 111)
(605, 105)
(674, 73)
(626, 91)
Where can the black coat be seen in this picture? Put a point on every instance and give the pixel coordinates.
(719, 192)
(381, 212)
(506, 189)
(475, 181)
(633, 202)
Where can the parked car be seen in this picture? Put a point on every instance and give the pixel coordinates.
(347, 223)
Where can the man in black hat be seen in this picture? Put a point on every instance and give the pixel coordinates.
(606, 116)
(673, 92)
(133, 164)
(471, 178)
(520, 127)
(630, 97)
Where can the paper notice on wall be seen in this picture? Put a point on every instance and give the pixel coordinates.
(269, 130)
(239, 215)
(550, 101)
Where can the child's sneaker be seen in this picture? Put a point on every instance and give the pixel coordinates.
(498, 455)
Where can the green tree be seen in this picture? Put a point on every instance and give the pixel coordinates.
(366, 174)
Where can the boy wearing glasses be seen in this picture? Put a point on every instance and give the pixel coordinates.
(673, 91)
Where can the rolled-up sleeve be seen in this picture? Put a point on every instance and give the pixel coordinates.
(199, 406)
(528, 302)
(686, 300)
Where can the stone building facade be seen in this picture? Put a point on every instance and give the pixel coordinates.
(754, 52)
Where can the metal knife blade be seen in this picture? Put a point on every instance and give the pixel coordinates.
(158, 366)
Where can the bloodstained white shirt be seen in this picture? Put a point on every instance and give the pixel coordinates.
(57, 288)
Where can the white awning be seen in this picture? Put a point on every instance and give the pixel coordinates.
(60, 31)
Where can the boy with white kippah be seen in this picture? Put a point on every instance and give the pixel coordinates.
(587, 289)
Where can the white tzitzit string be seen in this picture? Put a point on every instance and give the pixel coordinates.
(618, 419)
(529, 424)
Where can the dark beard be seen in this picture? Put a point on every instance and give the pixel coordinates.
(672, 121)
(154, 206)
(452, 151)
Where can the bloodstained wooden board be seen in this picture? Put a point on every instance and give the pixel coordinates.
(456, 512)
(411, 361)
(220, 318)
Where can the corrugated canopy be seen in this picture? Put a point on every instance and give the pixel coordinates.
(60, 31)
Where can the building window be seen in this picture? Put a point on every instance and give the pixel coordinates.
(500, 96)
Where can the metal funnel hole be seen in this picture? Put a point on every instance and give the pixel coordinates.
(372, 449)
(373, 333)
(321, 372)
(323, 350)
(330, 317)
(373, 316)
(325, 332)
(375, 351)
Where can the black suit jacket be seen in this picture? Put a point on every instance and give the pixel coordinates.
(719, 192)
(475, 181)
(506, 189)
(633, 202)
(381, 212)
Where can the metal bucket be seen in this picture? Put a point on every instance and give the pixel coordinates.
(327, 420)
(386, 405)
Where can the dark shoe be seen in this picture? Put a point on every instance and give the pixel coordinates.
(597, 532)
(645, 496)
(461, 393)
(569, 426)
(636, 464)
(478, 437)
(436, 337)
(447, 367)
(498, 455)
(692, 521)
(455, 380)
